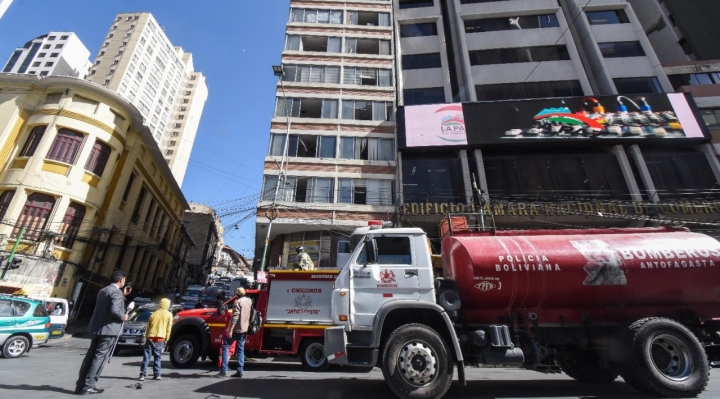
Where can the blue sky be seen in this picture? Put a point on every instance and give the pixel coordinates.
(233, 42)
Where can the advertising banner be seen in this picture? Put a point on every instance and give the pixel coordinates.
(300, 301)
(624, 118)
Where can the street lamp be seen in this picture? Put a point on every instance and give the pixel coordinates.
(272, 215)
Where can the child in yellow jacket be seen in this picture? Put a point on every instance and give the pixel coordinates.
(156, 334)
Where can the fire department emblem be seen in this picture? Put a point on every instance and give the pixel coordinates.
(303, 301)
(485, 286)
(602, 263)
(387, 277)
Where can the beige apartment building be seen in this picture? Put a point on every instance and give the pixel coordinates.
(338, 97)
(84, 191)
(138, 61)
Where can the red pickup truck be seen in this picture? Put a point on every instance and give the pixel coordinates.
(295, 307)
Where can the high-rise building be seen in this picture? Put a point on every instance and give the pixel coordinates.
(337, 98)
(681, 30)
(53, 54)
(4, 4)
(554, 109)
(138, 61)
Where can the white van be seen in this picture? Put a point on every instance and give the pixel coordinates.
(58, 309)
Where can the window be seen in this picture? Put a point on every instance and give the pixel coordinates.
(98, 158)
(110, 36)
(366, 18)
(313, 43)
(694, 79)
(607, 17)
(300, 189)
(430, 95)
(66, 146)
(711, 118)
(173, 143)
(107, 82)
(316, 16)
(365, 192)
(680, 174)
(390, 251)
(307, 108)
(175, 134)
(306, 146)
(112, 71)
(367, 77)
(71, 225)
(102, 53)
(34, 215)
(22, 307)
(5, 199)
(371, 149)
(54, 54)
(638, 85)
(511, 23)
(368, 110)
(6, 308)
(417, 30)
(128, 187)
(63, 37)
(41, 55)
(59, 46)
(621, 49)
(49, 64)
(518, 55)
(46, 46)
(138, 206)
(311, 73)
(421, 61)
(520, 91)
(367, 46)
(33, 140)
(51, 37)
(169, 152)
(415, 3)
(36, 64)
(525, 175)
(44, 73)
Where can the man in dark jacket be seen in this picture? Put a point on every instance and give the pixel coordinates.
(105, 325)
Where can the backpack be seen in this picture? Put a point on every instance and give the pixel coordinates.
(255, 321)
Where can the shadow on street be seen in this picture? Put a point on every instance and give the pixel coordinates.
(273, 388)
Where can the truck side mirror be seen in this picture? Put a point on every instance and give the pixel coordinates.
(371, 251)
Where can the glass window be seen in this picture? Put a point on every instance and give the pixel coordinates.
(700, 79)
(6, 308)
(404, 4)
(711, 117)
(330, 109)
(71, 225)
(519, 91)
(320, 190)
(5, 199)
(621, 49)
(345, 189)
(21, 308)
(517, 55)
(511, 23)
(393, 250)
(607, 17)
(637, 85)
(386, 150)
(681, 174)
(417, 30)
(98, 158)
(327, 146)
(436, 179)
(421, 61)
(33, 140)
(385, 77)
(430, 95)
(40, 311)
(347, 147)
(277, 144)
(66, 146)
(34, 215)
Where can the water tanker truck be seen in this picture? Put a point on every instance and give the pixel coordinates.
(641, 303)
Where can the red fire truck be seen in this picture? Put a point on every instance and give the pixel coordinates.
(295, 307)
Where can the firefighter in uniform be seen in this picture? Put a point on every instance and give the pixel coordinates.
(303, 260)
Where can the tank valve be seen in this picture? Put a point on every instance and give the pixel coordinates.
(532, 316)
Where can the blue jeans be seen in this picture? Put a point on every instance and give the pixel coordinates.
(154, 349)
(239, 351)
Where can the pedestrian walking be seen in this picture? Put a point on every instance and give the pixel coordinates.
(236, 333)
(303, 260)
(105, 325)
(157, 332)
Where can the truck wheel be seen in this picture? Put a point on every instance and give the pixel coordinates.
(185, 351)
(664, 358)
(416, 363)
(312, 355)
(15, 347)
(585, 367)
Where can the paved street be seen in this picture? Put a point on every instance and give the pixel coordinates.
(50, 372)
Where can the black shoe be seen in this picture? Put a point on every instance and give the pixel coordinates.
(221, 375)
(92, 391)
(237, 375)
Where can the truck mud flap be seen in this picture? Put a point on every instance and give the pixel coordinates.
(336, 346)
(461, 373)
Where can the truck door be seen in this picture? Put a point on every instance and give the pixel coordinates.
(393, 277)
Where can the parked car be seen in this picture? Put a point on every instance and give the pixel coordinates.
(191, 294)
(58, 309)
(133, 334)
(24, 324)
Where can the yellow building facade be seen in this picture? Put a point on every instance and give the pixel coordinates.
(85, 180)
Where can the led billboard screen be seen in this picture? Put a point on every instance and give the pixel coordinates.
(591, 119)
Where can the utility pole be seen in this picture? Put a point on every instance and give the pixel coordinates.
(12, 253)
(272, 213)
